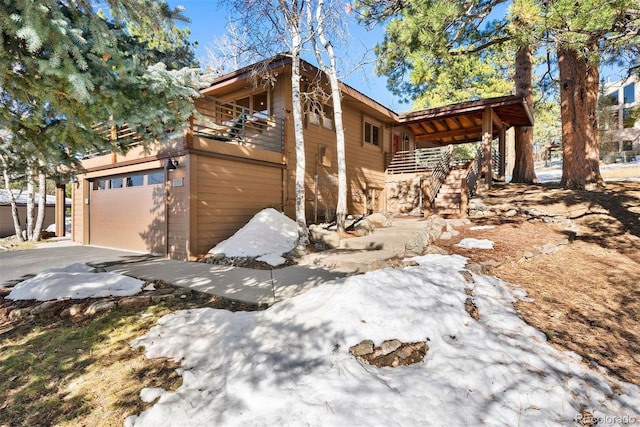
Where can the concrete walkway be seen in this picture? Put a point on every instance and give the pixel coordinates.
(243, 284)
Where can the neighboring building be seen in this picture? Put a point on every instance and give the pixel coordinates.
(6, 217)
(622, 127)
(238, 157)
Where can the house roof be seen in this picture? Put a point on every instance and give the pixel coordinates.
(21, 198)
(462, 122)
(282, 60)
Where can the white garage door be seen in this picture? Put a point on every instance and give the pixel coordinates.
(128, 212)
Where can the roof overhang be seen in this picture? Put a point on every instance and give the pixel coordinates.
(461, 123)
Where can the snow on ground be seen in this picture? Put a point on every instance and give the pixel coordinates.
(555, 174)
(482, 227)
(266, 237)
(471, 243)
(290, 365)
(75, 281)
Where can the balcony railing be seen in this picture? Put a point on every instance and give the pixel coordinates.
(418, 160)
(228, 122)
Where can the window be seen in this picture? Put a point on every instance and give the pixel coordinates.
(314, 114)
(260, 103)
(627, 145)
(324, 157)
(628, 118)
(135, 180)
(327, 117)
(371, 134)
(116, 183)
(155, 178)
(612, 98)
(101, 184)
(629, 93)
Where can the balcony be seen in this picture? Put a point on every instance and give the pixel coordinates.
(231, 123)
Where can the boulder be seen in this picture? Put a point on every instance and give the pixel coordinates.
(418, 243)
(378, 220)
(330, 239)
(363, 228)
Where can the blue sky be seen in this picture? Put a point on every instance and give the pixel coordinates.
(208, 21)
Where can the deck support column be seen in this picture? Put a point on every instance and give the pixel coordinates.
(502, 147)
(487, 137)
(60, 208)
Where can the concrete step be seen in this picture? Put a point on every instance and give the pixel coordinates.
(447, 211)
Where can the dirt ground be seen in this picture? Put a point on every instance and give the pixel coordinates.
(586, 293)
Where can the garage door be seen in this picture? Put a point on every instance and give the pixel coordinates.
(128, 212)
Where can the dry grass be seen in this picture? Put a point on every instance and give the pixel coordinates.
(82, 371)
(587, 294)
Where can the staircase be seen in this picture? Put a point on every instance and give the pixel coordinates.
(451, 200)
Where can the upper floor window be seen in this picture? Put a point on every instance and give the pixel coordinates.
(628, 118)
(629, 93)
(372, 133)
(612, 98)
(320, 115)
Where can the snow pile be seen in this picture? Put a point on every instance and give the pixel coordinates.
(75, 281)
(266, 237)
(470, 243)
(290, 365)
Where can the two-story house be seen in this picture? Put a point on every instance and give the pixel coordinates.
(237, 157)
(622, 123)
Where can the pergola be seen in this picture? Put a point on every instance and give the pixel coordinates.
(482, 120)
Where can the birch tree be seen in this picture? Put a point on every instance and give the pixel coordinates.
(319, 23)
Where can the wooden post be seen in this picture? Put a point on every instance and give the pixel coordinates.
(502, 144)
(60, 209)
(464, 198)
(487, 136)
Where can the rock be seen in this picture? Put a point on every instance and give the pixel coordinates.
(158, 298)
(528, 254)
(511, 213)
(467, 276)
(562, 242)
(418, 243)
(548, 249)
(45, 307)
(99, 306)
(454, 232)
(364, 348)
(330, 239)
(433, 249)
(134, 301)
(379, 220)
(387, 347)
(446, 235)
(18, 313)
(363, 228)
(474, 268)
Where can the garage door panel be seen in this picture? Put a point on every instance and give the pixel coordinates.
(131, 218)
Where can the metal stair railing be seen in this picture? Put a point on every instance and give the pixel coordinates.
(473, 172)
(416, 161)
(440, 172)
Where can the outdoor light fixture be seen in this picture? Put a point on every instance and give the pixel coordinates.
(171, 165)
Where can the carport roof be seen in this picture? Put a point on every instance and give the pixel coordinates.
(462, 122)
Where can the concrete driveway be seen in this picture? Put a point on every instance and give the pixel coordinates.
(242, 284)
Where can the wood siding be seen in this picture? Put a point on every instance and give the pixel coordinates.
(228, 194)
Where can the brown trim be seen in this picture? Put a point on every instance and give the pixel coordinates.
(136, 161)
(193, 207)
(236, 158)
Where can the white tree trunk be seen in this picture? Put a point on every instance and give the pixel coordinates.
(14, 208)
(298, 125)
(31, 201)
(336, 95)
(42, 205)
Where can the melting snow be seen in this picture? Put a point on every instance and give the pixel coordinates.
(470, 243)
(266, 237)
(289, 365)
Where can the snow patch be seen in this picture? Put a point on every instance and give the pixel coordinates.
(76, 281)
(290, 364)
(470, 243)
(266, 237)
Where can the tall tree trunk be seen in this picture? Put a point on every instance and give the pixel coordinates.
(298, 125)
(31, 212)
(336, 96)
(42, 205)
(523, 170)
(12, 200)
(578, 102)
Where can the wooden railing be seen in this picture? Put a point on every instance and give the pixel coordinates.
(419, 160)
(233, 123)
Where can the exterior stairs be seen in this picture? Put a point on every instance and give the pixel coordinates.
(451, 200)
